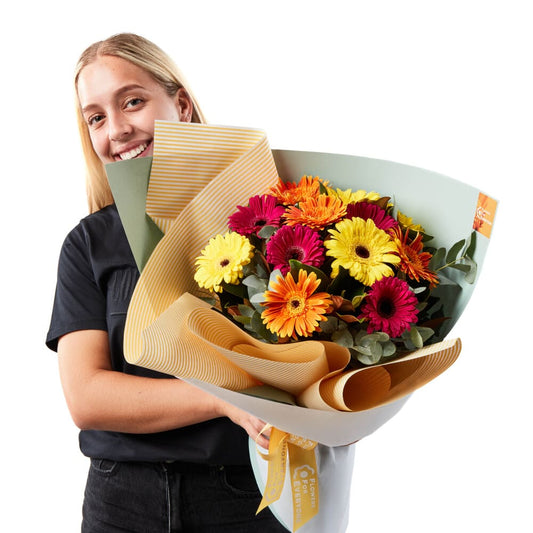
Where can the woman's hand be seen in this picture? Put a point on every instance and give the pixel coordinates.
(251, 424)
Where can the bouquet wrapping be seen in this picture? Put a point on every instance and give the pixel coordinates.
(173, 204)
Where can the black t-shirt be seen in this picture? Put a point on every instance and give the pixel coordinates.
(96, 278)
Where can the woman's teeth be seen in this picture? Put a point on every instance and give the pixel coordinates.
(132, 153)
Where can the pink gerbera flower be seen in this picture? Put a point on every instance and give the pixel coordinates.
(366, 210)
(260, 211)
(390, 307)
(294, 242)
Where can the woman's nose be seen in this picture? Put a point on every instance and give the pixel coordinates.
(119, 127)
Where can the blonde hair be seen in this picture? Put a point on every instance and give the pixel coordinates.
(154, 61)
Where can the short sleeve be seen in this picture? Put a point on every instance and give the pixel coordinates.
(79, 302)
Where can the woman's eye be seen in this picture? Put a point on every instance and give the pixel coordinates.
(132, 102)
(94, 120)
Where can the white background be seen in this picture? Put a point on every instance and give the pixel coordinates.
(440, 85)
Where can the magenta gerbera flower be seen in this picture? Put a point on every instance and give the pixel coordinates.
(294, 242)
(366, 210)
(260, 211)
(390, 307)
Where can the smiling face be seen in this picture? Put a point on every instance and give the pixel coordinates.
(120, 102)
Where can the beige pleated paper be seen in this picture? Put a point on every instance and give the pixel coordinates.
(200, 174)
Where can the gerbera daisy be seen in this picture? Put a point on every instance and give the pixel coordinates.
(292, 309)
(361, 248)
(366, 210)
(390, 307)
(317, 213)
(413, 260)
(289, 193)
(349, 197)
(407, 223)
(222, 260)
(261, 211)
(296, 242)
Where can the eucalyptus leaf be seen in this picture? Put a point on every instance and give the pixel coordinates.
(343, 338)
(437, 259)
(471, 244)
(471, 276)
(261, 330)
(368, 359)
(330, 325)
(242, 319)
(266, 232)
(425, 333)
(377, 336)
(245, 310)
(454, 251)
(389, 349)
(257, 301)
(459, 266)
(416, 338)
(253, 282)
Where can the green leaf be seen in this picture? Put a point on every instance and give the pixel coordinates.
(266, 232)
(377, 336)
(242, 319)
(257, 300)
(296, 266)
(329, 326)
(461, 267)
(255, 283)
(343, 338)
(416, 338)
(245, 310)
(368, 359)
(389, 349)
(437, 259)
(237, 290)
(261, 330)
(471, 276)
(471, 244)
(454, 251)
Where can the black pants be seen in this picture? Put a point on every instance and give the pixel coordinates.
(172, 498)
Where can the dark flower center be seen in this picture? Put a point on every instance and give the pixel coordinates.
(386, 308)
(295, 253)
(260, 222)
(224, 262)
(295, 304)
(362, 252)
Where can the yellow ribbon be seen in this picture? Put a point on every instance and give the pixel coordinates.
(303, 471)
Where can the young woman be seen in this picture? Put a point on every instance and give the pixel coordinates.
(165, 456)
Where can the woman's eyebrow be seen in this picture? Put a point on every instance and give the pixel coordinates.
(118, 92)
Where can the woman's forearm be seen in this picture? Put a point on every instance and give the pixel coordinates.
(103, 399)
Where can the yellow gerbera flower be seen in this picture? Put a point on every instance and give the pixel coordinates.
(349, 197)
(223, 260)
(292, 308)
(317, 213)
(363, 249)
(407, 223)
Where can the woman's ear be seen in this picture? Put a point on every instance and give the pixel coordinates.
(184, 105)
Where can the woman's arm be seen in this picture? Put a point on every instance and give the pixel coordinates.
(101, 398)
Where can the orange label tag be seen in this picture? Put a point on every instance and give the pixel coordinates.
(484, 215)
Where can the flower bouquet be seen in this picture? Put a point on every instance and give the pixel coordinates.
(322, 348)
(310, 261)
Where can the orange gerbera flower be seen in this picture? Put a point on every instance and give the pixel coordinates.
(413, 260)
(292, 309)
(317, 213)
(290, 193)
